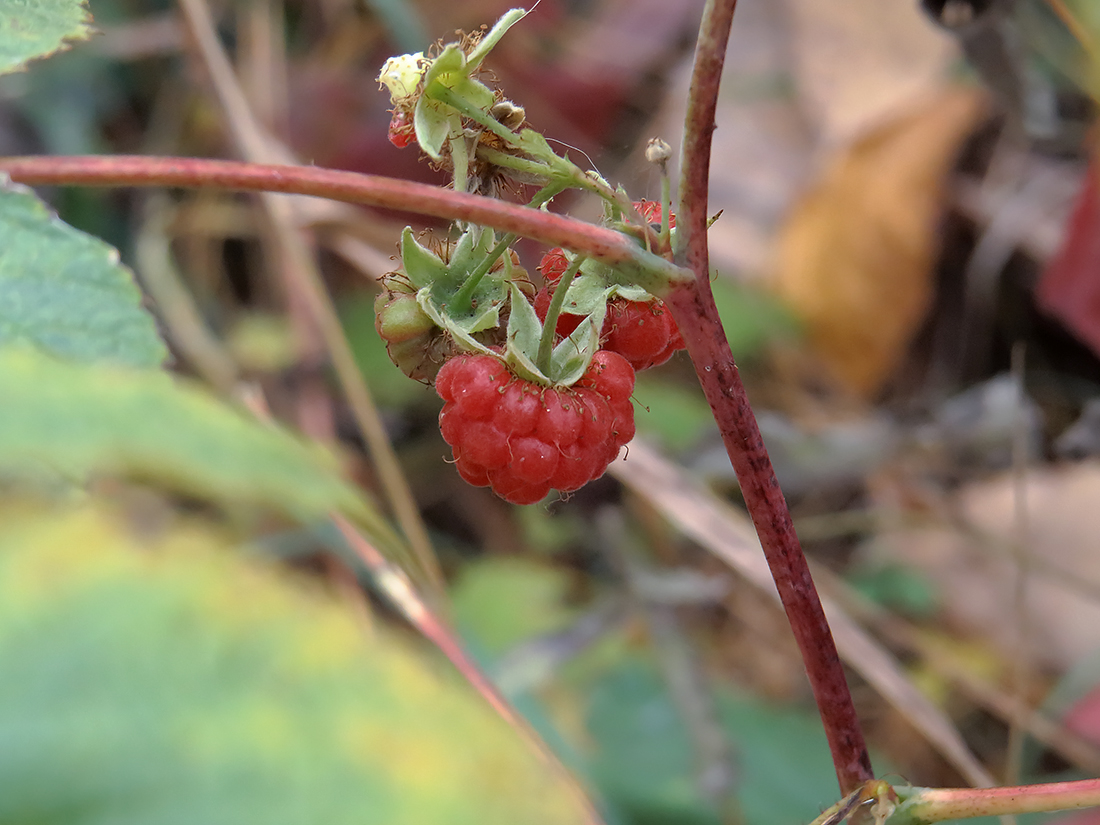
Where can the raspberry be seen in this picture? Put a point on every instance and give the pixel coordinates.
(642, 332)
(413, 341)
(523, 439)
(553, 264)
(401, 132)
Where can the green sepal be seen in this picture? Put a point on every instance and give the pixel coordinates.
(432, 123)
(492, 37)
(524, 333)
(571, 357)
(535, 146)
(422, 266)
(437, 282)
(433, 119)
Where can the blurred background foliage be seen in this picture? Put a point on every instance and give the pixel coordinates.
(894, 185)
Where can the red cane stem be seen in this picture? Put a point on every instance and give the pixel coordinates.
(371, 190)
(693, 308)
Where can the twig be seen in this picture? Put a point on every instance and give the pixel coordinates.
(694, 310)
(724, 531)
(298, 267)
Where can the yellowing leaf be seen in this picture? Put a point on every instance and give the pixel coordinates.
(29, 30)
(857, 252)
(167, 681)
(77, 420)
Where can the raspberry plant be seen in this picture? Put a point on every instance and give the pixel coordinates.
(536, 380)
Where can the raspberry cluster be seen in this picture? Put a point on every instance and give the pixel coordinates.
(642, 332)
(523, 439)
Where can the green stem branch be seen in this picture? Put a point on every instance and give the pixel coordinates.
(926, 805)
(549, 325)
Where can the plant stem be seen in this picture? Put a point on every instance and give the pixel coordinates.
(693, 308)
(463, 299)
(549, 228)
(550, 323)
(925, 805)
(437, 91)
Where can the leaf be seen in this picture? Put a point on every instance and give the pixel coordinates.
(505, 601)
(856, 254)
(165, 681)
(80, 419)
(30, 30)
(65, 291)
(643, 759)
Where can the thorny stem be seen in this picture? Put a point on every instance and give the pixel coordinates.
(549, 325)
(693, 308)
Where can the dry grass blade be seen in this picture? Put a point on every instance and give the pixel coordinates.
(300, 271)
(729, 535)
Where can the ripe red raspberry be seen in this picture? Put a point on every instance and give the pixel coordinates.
(642, 332)
(523, 439)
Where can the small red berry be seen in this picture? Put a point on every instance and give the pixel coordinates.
(523, 439)
(652, 212)
(553, 264)
(401, 132)
(643, 332)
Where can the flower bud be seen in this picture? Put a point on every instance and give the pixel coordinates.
(657, 151)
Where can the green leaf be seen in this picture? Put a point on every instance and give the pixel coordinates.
(81, 419)
(65, 291)
(164, 681)
(505, 601)
(492, 37)
(37, 29)
(644, 762)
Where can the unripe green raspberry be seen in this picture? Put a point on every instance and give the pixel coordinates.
(414, 343)
(399, 318)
